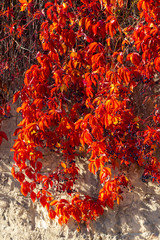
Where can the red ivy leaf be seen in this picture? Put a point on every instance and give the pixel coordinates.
(3, 135)
(39, 166)
(104, 173)
(15, 96)
(48, 4)
(0, 140)
(52, 214)
(86, 138)
(135, 58)
(157, 63)
(25, 188)
(43, 200)
(76, 215)
(20, 177)
(33, 196)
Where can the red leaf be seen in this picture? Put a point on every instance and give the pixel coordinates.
(15, 96)
(29, 173)
(63, 201)
(124, 181)
(17, 131)
(33, 185)
(48, 4)
(76, 215)
(39, 166)
(33, 196)
(157, 63)
(92, 47)
(97, 164)
(49, 12)
(52, 214)
(3, 135)
(135, 58)
(20, 177)
(43, 200)
(104, 173)
(25, 188)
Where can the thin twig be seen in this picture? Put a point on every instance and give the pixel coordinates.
(21, 46)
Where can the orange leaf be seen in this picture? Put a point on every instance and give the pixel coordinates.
(120, 2)
(15, 96)
(78, 123)
(13, 172)
(63, 165)
(53, 202)
(86, 138)
(87, 23)
(157, 64)
(120, 58)
(104, 173)
(118, 200)
(92, 47)
(30, 125)
(94, 28)
(52, 214)
(91, 167)
(24, 4)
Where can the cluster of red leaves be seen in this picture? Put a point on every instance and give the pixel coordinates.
(78, 99)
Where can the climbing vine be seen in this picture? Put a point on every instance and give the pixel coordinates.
(78, 101)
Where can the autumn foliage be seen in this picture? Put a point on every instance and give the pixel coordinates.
(77, 101)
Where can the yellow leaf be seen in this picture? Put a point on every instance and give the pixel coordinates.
(118, 200)
(136, 119)
(63, 88)
(63, 165)
(109, 119)
(53, 202)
